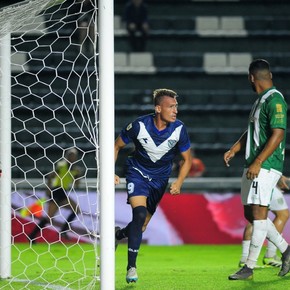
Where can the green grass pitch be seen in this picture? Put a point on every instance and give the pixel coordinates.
(183, 267)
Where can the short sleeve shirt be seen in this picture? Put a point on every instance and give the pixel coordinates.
(268, 112)
(154, 150)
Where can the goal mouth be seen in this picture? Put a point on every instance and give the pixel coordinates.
(49, 52)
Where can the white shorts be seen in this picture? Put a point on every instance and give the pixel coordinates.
(259, 191)
(278, 201)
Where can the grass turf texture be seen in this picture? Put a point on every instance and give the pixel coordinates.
(159, 268)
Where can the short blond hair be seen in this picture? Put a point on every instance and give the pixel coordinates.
(158, 95)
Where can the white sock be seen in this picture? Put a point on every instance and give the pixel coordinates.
(275, 237)
(257, 241)
(271, 250)
(245, 250)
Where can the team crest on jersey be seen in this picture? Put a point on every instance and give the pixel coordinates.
(129, 127)
(171, 143)
(279, 108)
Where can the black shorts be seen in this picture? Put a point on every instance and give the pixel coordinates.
(153, 189)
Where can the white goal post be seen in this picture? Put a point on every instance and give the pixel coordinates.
(107, 159)
(57, 93)
(5, 155)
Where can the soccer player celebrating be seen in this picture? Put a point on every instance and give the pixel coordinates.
(264, 144)
(158, 138)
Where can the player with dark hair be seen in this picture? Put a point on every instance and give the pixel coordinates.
(158, 138)
(264, 144)
(59, 183)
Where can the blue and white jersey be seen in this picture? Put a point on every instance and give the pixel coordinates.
(154, 150)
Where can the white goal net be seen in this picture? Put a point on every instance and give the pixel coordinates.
(54, 142)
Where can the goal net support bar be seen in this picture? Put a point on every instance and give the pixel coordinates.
(107, 133)
(5, 153)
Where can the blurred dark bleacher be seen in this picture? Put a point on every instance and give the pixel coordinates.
(201, 49)
(214, 101)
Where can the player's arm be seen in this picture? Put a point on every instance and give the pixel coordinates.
(183, 172)
(119, 144)
(273, 142)
(238, 146)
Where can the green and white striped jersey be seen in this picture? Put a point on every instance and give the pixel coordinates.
(268, 112)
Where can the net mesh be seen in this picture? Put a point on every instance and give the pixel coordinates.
(54, 88)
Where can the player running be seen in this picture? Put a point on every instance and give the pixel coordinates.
(158, 138)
